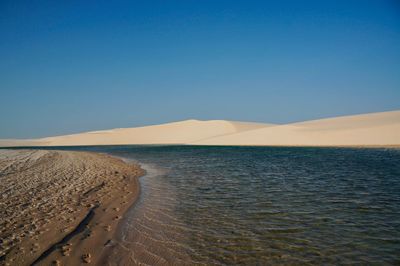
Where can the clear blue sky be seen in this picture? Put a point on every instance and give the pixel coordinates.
(72, 66)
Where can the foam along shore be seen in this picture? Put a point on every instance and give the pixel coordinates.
(61, 207)
(374, 129)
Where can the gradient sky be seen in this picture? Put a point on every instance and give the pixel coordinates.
(72, 66)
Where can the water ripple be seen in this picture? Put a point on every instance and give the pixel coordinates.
(262, 205)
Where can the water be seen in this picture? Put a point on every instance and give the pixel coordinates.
(262, 205)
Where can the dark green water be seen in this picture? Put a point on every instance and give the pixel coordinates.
(264, 205)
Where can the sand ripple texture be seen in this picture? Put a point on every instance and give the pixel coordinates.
(46, 194)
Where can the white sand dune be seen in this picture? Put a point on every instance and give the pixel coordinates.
(18, 142)
(171, 133)
(376, 129)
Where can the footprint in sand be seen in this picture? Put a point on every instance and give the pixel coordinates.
(86, 258)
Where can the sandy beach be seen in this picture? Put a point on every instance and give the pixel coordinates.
(61, 207)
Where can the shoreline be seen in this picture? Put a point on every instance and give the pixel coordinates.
(38, 147)
(73, 217)
(113, 243)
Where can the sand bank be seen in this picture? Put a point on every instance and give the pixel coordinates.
(61, 207)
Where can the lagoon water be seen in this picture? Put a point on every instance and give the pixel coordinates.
(262, 205)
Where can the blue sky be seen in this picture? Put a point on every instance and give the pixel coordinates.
(72, 66)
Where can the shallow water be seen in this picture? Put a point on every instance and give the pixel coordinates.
(262, 205)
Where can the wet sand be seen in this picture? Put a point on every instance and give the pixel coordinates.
(62, 207)
(150, 234)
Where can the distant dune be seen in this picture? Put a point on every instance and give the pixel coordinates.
(182, 132)
(375, 129)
